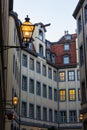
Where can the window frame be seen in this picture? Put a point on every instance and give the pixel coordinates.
(66, 61)
(72, 94)
(71, 75)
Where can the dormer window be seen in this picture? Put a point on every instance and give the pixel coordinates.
(41, 50)
(40, 35)
(68, 37)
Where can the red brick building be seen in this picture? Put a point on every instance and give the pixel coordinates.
(65, 50)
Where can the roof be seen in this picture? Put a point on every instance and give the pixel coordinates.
(78, 7)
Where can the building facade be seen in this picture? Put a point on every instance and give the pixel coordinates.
(80, 14)
(45, 77)
(67, 61)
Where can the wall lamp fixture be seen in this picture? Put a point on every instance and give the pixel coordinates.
(9, 113)
(81, 116)
(26, 31)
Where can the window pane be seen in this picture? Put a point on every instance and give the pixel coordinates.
(66, 47)
(44, 90)
(49, 73)
(62, 95)
(72, 116)
(38, 88)
(44, 70)
(38, 112)
(66, 59)
(45, 114)
(24, 60)
(63, 117)
(24, 109)
(50, 93)
(72, 94)
(54, 75)
(24, 83)
(55, 116)
(62, 76)
(31, 111)
(31, 64)
(50, 115)
(38, 67)
(31, 86)
(71, 75)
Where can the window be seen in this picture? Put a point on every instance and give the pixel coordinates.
(54, 75)
(44, 90)
(44, 70)
(62, 95)
(79, 94)
(55, 116)
(50, 93)
(24, 60)
(40, 35)
(72, 116)
(30, 45)
(38, 88)
(68, 37)
(31, 86)
(41, 50)
(38, 69)
(85, 13)
(49, 73)
(31, 63)
(38, 112)
(66, 47)
(44, 114)
(66, 59)
(48, 55)
(50, 115)
(31, 111)
(78, 74)
(72, 94)
(81, 56)
(53, 58)
(83, 92)
(24, 109)
(61, 76)
(71, 75)
(55, 94)
(24, 83)
(63, 116)
(79, 25)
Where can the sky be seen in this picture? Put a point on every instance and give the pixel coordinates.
(56, 12)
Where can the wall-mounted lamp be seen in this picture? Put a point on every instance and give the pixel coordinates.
(27, 29)
(9, 113)
(81, 116)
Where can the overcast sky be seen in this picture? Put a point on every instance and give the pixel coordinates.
(57, 12)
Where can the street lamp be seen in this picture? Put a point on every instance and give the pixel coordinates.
(27, 29)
